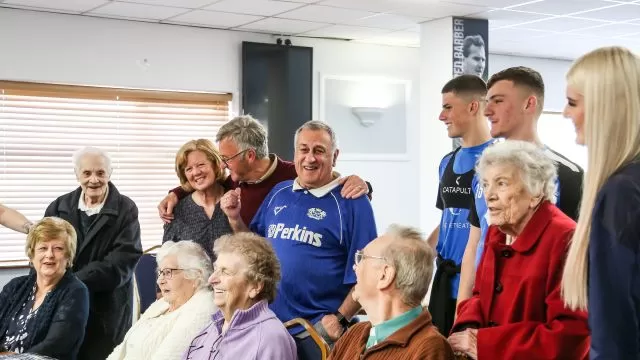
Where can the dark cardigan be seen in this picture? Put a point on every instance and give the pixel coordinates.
(58, 328)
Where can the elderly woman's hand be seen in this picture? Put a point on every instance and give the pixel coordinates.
(465, 342)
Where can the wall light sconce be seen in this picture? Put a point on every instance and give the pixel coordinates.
(367, 115)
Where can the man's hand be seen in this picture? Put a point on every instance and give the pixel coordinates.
(165, 208)
(465, 342)
(230, 204)
(332, 326)
(354, 187)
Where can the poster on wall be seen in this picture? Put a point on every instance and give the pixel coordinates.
(470, 50)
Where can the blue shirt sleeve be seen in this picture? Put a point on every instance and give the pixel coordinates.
(258, 222)
(360, 230)
(614, 279)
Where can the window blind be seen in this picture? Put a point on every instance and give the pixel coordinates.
(41, 125)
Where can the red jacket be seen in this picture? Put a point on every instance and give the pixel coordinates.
(516, 303)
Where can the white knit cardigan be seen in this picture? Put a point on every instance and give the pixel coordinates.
(160, 336)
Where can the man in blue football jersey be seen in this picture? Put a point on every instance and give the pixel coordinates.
(315, 232)
(462, 112)
(515, 100)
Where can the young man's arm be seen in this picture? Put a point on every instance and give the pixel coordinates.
(468, 268)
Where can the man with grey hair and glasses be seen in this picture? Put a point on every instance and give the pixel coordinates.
(315, 233)
(242, 143)
(391, 272)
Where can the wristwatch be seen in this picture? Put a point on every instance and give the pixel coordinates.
(342, 320)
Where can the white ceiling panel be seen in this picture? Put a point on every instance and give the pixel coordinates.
(346, 32)
(502, 18)
(214, 19)
(440, 9)
(326, 14)
(508, 34)
(609, 31)
(137, 11)
(304, 1)
(76, 6)
(389, 21)
(283, 26)
(492, 3)
(397, 38)
(368, 5)
(617, 12)
(189, 4)
(254, 7)
(564, 7)
(559, 24)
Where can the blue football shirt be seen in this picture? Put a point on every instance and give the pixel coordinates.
(315, 234)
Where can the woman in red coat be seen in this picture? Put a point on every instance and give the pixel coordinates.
(516, 311)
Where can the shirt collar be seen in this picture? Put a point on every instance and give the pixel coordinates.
(383, 330)
(321, 191)
(270, 170)
(95, 209)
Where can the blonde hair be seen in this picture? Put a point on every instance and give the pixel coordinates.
(52, 228)
(609, 80)
(208, 149)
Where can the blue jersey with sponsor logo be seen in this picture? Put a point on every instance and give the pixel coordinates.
(569, 180)
(454, 199)
(315, 234)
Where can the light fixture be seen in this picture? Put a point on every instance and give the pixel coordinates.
(368, 115)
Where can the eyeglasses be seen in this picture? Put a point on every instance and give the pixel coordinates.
(361, 256)
(167, 273)
(226, 160)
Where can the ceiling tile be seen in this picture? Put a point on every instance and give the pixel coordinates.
(137, 11)
(491, 3)
(326, 14)
(400, 38)
(440, 9)
(214, 19)
(559, 24)
(618, 12)
(305, 1)
(283, 26)
(609, 31)
(561, 7)
(346, 32)
(509, 34)
(502, 18)
(254, 7)
(188, 4)
(388, 21)
(368, 5)
(77, 6)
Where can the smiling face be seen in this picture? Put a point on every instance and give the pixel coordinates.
(314, 158)
(232, 290)
(369, 272)
(509, 203)
(199, 171)
(505, 109)
(239, 163)
(176, 289)
(456, 114)
(574, 110)
(50, 258)
(93, 175)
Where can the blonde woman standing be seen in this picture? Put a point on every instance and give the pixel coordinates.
(602, 272)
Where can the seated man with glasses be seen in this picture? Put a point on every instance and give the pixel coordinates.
(166, 329)
(393, 274)
(244, 152)
(315, 233)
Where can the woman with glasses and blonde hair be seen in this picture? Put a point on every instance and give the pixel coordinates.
(198, 217)
(602, 273)
(46, 311)
(165, 330)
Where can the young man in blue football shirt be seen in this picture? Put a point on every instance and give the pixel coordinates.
(462, 112)
(515, 100)
(315, 232)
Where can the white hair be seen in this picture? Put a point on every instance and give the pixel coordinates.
(537, 170)
(91, 150)
(191, 257)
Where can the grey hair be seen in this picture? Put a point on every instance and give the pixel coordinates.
(247, 133)
(318, 125)
(90, 150)
(412, 257)
(191, 257)
(537, 170)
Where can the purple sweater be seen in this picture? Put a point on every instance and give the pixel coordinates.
(255, 333)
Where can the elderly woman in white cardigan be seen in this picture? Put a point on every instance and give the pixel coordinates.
(166, 329)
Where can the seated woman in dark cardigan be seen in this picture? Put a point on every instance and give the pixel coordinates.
(46, 311)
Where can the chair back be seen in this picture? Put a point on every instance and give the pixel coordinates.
(311, 347)
(145, 274)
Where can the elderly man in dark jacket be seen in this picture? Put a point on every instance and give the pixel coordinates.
(108, 250)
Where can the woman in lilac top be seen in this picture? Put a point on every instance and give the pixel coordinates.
(244, 281)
